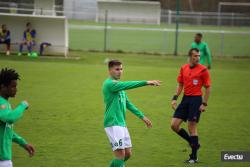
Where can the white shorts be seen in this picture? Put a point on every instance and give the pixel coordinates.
(119, 137)
(7, 163)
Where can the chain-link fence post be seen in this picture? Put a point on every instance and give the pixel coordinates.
(222, 43)
(177, 27)
(106, 31)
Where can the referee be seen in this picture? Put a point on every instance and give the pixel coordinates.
(193, 76)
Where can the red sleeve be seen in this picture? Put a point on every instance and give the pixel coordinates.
(180, 77)
(206, 78)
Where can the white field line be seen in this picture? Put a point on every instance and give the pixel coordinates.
(92, 27)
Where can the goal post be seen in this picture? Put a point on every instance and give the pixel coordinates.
(221, 4)
(138, 12)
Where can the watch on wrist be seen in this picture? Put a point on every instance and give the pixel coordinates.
(175, 97)
(204, 103)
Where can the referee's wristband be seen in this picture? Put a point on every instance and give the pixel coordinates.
(175, 97)
(204, 103)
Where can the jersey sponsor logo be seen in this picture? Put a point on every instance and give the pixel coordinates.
(195, 81)
(3, 107)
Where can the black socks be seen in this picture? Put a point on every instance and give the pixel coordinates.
(194, 142)
(183, 133)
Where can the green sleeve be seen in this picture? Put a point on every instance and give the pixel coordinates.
(193, 45)
(131, 107)
(208, 53)
(18, 139)
(116, 86)
(11, 117)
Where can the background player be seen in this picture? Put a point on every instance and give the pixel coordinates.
(192, 77)
(43, 45)
(8, 89)
(5, 38)
(29, 36)
(205, 55)
(117, 102)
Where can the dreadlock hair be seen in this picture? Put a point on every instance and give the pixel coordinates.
(8, 75)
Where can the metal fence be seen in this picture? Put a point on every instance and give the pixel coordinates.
(206, 18)
(156, 40)
(227, 37)
(227, 34)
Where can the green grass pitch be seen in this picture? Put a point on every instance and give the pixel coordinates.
(65, 118)
(158, 41)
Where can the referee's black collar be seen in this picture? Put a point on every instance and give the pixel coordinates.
(191, 67)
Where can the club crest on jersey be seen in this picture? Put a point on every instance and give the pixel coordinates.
(195, 81)
(9, 125)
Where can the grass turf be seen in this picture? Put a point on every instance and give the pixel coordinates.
(65, 118)
(157, 41)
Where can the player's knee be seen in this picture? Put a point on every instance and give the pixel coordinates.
(192, 130)
(128, 155)
(174, 127)
(120, 154)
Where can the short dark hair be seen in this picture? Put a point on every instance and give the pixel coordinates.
(28, 24)
(113, 63)
(191, 50)
(199, 34)
(8, 75)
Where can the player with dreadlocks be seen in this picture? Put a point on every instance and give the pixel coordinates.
(8, 116)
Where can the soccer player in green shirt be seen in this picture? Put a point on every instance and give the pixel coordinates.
(205, 54)
(8, 116)
(117, 102)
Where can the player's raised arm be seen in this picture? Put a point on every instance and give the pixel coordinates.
(116, 86)
(115, 72)
(8, 89)
(11, 116)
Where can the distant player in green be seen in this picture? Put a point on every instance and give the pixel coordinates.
(8, 116)
(117, 102)
(205, 55)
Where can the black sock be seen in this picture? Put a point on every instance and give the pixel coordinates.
(194, 145)
(183, 133)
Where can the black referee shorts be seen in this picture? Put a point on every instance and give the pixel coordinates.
(188, 109)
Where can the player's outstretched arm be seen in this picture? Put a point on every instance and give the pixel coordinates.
(14, 115)
(116, 86)
(154, 83)
(19, 140)
(177, 94)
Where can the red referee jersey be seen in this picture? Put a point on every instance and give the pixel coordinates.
(193, 79)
